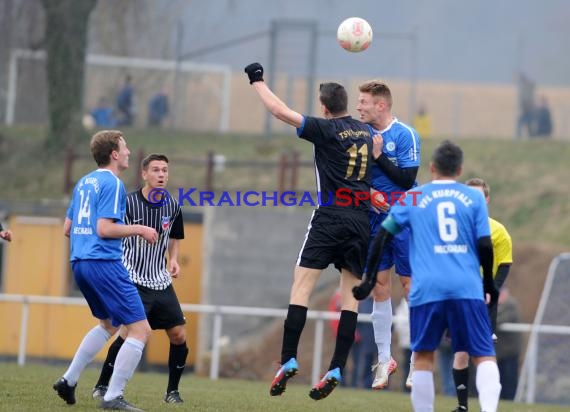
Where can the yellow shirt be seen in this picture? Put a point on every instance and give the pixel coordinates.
(502, 245)
(422, 124)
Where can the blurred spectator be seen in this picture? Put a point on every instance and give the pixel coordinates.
(402, 327)
(526, 105)
(509, 345)
(158, 108)
(422, 122)
(364, 350)
(445, 364)
(102, 115)
(125, 103)
(543, 119)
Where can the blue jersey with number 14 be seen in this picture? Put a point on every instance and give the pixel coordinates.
(445, 219)
(100, 194)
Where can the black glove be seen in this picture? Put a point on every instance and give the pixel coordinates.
(363, 290)
(490, 288)
(254, 72)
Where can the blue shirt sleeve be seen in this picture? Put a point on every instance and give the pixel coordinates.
(111, 204)
(300, 128)
(482, 227)
(408, 147)
(69, 213)
(399, 213)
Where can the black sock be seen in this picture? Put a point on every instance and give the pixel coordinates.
(344, 339)
(176, 364)
(294, 324)
(461, 379)
(109, 363)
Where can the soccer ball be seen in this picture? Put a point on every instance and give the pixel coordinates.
(88, 122)
(354, 34)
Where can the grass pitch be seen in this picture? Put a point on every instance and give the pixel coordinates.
(28, 388)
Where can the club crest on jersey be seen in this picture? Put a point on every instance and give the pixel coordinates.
(390, 146)
(165, 222)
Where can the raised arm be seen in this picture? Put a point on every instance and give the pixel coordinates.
(273, 103)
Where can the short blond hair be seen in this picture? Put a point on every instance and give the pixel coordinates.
(377, 88)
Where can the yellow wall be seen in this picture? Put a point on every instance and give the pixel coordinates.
(36, 259)
(37, 263)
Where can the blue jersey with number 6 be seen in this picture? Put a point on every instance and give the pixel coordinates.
(446, 220)
(100, 194)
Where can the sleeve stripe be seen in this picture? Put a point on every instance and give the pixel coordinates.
(414, 140)
(116, 206)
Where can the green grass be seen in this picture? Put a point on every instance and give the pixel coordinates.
(28, 388)
(529, 179)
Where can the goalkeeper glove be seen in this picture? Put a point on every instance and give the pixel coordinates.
(254, 72)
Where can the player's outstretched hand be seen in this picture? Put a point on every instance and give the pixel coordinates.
(490, 289)
(363, 290)
(254, 72)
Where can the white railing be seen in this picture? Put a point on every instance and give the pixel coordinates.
(219, 311)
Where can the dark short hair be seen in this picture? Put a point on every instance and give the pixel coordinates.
(377, 88)
(103, 143)
(478, 182)
(333, 96)
(153, 156)
(447, 158)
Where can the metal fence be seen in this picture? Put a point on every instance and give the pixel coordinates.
(219, 311)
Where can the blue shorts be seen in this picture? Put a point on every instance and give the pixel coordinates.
(109, 291)
(397, 252)
(466, 319)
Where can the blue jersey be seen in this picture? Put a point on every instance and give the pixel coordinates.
(100, 194)
(446, 218)
(401, 147)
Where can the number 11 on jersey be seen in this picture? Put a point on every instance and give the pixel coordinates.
(354, 152)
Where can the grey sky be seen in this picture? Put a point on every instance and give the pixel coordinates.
(475, 41)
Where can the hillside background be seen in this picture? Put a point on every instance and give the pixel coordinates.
(530, 187)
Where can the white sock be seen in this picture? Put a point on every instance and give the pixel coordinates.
(127, 361)
(488, 385)
(423, 392)
(91, 344)
(382, 323)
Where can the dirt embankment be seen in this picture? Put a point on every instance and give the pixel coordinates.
(256, 358)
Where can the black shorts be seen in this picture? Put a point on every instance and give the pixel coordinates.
(161, 307)
(337, 237)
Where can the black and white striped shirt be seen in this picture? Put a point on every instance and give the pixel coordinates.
(146, 263)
